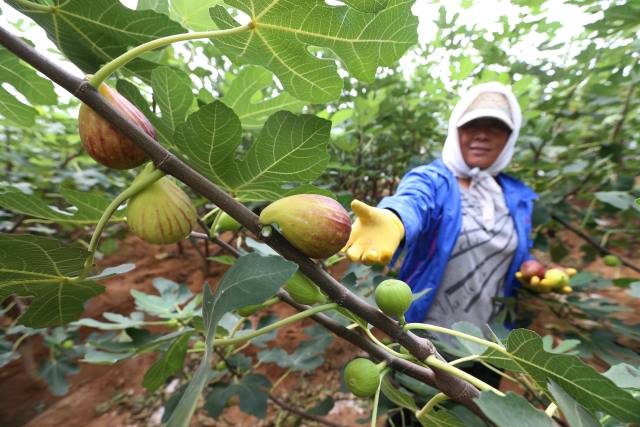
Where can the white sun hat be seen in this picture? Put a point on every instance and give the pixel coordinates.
(488, 104)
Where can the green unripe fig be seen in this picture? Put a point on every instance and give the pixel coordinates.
(103, 142)
(248, 310)
(611, 260)
(304, 291)
(316, 225)
(172, 323)
(362, 377)
(221, 366)
(226, 223)
(393, 297)
(161, 213)
(199, 345)
(67, 344)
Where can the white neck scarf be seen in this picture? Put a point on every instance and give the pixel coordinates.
(484, 187)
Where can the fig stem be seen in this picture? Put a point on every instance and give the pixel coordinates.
(106, 70)
(216, 220)
(34, 6)
(211, 212)
(376, 398)
(433, 361)
(431, 404)
(129, 192)
(402, 320)
(384, 346)
(434, 328)
(465, 359)
(298, 316)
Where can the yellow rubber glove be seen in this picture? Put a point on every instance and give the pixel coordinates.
(375, 234)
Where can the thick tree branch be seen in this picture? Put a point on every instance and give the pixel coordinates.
(425, 375)
(169, 163)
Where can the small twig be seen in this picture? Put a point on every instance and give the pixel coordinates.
(19, 221)
(218, 241)
(206, 258)
(196, 247)
(302, 413)
(66, 161)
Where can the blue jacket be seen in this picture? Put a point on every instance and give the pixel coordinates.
(428, 202)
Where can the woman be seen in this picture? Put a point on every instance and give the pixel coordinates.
(463, 225)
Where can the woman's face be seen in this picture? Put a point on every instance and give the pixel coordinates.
(482, 141)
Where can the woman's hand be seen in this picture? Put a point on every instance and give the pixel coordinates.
(375, 234)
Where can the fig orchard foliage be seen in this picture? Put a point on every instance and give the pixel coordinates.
(299, 150)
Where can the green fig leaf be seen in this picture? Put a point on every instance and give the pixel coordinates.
(589, 388)
(92, 33)
(282, 32)
(40, 268)
(37, 89)
(289, 150)
(89, 206)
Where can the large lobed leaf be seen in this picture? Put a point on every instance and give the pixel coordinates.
(290, 149)
(282, 31)
(92, 33)
(40, 267)
(583, 383)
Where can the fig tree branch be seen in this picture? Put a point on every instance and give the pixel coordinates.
(164, 160)
(423, 374)
(590, 240)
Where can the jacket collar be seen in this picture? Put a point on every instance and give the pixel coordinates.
(512, 187)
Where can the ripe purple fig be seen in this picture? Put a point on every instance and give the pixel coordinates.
(532, 268)
(317, 225)
(161, 213)
(104, 143)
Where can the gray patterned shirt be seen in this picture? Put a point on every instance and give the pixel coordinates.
(476, 270)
